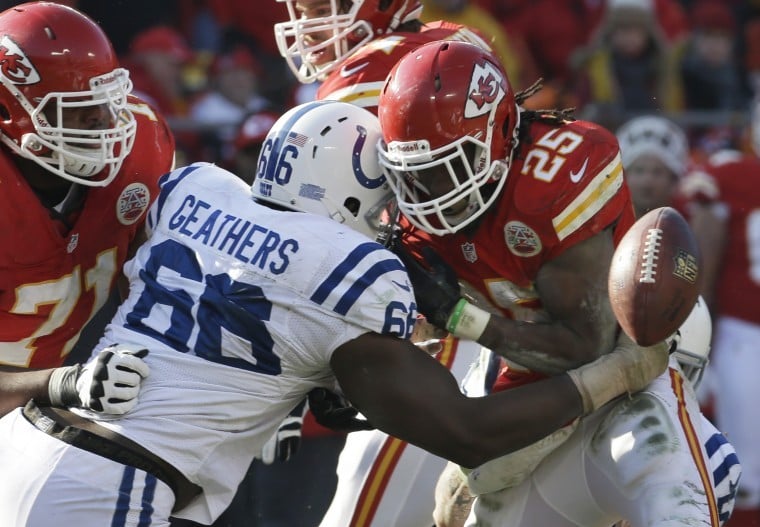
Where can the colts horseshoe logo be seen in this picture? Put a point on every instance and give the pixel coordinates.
(356, 162)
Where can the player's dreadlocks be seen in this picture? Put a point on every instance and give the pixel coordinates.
(554, 116)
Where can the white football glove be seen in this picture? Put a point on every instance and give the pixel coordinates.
(628, 368)
(109, 383)
(284, 443)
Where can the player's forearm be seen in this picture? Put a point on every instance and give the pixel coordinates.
(517, 417)
(511, 421)
(546, 347)
(18, 385)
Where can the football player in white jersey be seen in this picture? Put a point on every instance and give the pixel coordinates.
(245, 308)
(349, 47)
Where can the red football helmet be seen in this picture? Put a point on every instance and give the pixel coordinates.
(54, 63)
(337, 27)
(447, 111)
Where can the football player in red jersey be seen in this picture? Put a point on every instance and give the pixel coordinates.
(526, 208)
(349, 46)
(79, 165)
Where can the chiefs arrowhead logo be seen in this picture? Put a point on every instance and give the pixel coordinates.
(15, 65)
(487, 88)
(487, 91)
(132, 203)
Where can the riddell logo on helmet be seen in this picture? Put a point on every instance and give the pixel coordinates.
(487, 89)
(107, 79)
(14, 64)
(409, 147)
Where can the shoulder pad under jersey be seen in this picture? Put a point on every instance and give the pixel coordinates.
(362, 75)
(153, 151)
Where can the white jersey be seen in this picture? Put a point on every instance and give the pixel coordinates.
(651, 458)
(241, 307)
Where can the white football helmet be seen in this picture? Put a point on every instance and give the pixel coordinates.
(344, 26)
(657, 136)
(692, 342)
(320, 157)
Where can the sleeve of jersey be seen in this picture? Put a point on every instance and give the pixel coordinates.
(154, 148)
(358, 81)
(370, 289)
(598, 200)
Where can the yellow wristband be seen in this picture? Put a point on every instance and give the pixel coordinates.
(467, 321)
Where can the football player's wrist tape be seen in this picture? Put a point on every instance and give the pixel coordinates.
(628, 368)
(62, 387)
(467, 321)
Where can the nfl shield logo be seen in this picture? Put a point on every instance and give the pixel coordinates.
(468, 250)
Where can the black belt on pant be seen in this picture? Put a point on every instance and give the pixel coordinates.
(87, 435)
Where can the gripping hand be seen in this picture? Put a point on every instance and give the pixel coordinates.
(109, 383)
(285, 442)
(628, 368)
(335, 412)
(436, 288)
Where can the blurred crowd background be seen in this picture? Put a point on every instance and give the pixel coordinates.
(209, 65)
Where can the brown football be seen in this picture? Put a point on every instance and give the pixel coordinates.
(654, 276)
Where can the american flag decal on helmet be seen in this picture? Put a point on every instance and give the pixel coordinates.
(297, 139)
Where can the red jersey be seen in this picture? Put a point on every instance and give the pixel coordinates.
(565, 185)
(737, 179)
(51, 284)
(362, 75)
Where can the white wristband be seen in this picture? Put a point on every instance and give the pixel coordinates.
(467, 321)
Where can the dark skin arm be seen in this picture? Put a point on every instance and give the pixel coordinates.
(18, 385)
(580, 325)
(381, 375)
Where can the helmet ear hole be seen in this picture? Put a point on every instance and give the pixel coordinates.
(352, 205)
(5, 114)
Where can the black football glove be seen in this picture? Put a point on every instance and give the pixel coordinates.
(335, 412)
(285, 442)
(436, 288)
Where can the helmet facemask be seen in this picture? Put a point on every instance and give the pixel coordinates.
(467, 162)
(78, 154)
(690, 344)
(345, 34)
(692, 365)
